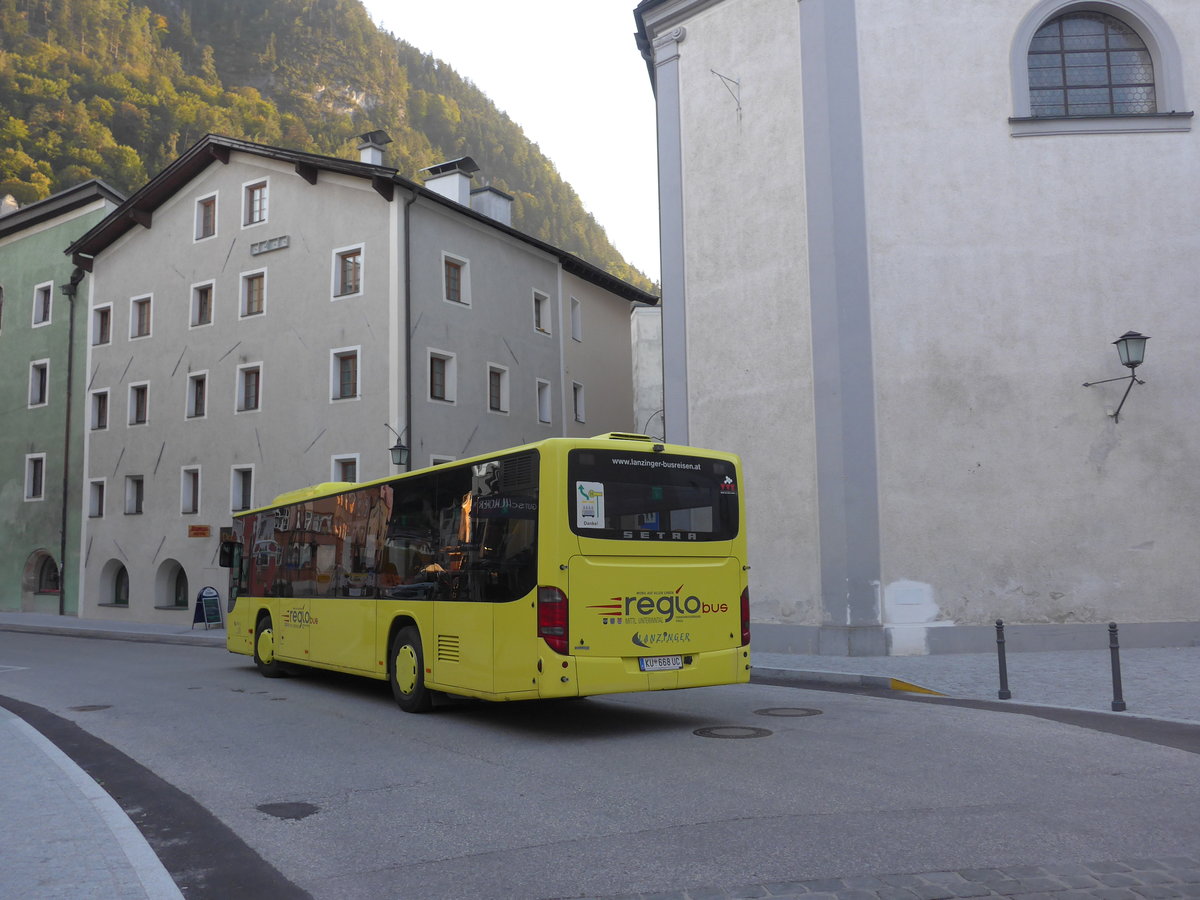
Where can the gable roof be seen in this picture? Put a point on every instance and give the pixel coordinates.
(56, 205)
(140, 207)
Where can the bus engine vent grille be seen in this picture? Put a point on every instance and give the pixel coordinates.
(517, 473)
(448, 648)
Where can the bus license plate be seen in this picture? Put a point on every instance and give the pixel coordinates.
(660, 663)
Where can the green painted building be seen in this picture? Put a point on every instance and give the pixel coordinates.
(43, 387)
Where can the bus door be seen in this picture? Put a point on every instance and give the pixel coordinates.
(267, 538)
(460, 650)
(345, 564)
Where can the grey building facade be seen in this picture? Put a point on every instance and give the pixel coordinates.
(278, 319)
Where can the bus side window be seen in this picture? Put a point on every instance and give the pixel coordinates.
(409, 566)
(456, 539)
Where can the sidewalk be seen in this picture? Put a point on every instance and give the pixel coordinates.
(1160, 683)
(76, 841)
(73, 841)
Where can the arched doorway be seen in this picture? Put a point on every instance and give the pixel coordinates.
(114, 584)
(171, 585)
(41, 583)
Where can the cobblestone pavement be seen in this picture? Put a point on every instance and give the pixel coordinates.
(1130, 879)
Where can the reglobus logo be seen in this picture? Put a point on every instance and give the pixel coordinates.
(668, 606)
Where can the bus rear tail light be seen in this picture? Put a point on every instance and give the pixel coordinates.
(552, 618)
(745, 616)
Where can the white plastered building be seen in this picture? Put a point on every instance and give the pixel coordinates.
(898, 236)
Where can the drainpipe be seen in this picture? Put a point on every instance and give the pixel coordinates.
(408, 378)
(69, 290)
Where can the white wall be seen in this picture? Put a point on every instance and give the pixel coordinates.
(1002, 268)
(750, 389)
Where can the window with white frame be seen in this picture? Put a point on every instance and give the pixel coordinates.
(254, 202)
(189, 491)
(348, 271)
(206, 217)
(197, 396)
(443, 375)
(344, 375)
(254, 293)
(543, 402)
(241, 488)
(139, 404)
(576, 319)
(541, 312)
(344, 467)
(456, 280)
(497, 388)
(102, 325)
(202, 304)
(577, 402)
(99, 410)
(39, 382)
(249, 387)
(35, 476)
(436, 459)
(96, 498)
(135, 495)
(140, 317)
(43, 298)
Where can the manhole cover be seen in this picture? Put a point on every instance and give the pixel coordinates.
(796, 711)
(92, 707)
(288, 810)
(732, 732)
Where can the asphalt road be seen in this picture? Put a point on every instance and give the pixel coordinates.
(321, 782)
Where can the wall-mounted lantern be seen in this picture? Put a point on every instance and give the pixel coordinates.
(399, 450)
(1131, 348)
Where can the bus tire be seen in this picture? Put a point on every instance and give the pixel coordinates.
(406, 672)
(264, 649)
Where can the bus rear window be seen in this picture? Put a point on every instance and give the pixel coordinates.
(627, 496)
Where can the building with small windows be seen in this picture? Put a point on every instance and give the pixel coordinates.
(42, 385)
(897, 239)
(263, 319)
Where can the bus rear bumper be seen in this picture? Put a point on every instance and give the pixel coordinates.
(614, 675)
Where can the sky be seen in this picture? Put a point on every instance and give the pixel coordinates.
(569, 73)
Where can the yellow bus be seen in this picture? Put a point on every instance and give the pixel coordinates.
(563, 568)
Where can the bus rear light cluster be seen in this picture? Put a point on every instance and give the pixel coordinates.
(552, 618)
(745, 616)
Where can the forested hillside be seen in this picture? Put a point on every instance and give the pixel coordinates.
(115, 89)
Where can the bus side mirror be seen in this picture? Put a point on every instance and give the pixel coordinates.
(231, 555)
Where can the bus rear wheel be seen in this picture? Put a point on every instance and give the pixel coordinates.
(406, 670)
(264, 649)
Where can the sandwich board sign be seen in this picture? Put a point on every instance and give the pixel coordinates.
(208, 607)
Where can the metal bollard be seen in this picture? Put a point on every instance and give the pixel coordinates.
(1005, 693)
(1118, 701)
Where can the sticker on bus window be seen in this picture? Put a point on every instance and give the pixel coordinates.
(589, 504)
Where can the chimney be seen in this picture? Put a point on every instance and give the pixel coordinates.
(493, 203)
(8, 204)
(452, 179)
(370, 147)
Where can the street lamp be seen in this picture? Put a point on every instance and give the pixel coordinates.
(1131, 348)
(399, 450)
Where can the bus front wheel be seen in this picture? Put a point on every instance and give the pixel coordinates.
(264, 649)
(407, 670)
